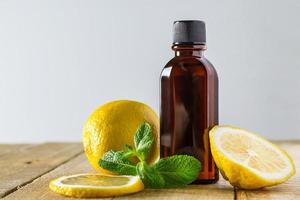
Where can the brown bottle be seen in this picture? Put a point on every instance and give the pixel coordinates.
(189, 99)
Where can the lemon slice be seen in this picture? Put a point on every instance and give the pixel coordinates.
(247, 160)
(96, 185)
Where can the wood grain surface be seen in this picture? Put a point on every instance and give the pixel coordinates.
(27, 170)
(21, 164)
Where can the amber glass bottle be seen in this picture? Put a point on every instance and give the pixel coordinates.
(189, 99)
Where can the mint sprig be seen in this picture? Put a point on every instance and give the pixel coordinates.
(174, 171)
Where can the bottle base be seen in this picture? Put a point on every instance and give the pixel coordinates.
(205, 182)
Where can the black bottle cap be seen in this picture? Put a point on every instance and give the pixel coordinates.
(189, 32)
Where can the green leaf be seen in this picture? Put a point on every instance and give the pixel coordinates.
(117, 162)
(150, 177)
(143, 141)
(178, 170)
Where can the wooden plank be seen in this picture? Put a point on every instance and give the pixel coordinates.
(9, 148)
(221, 190)
(39, 188)
(21, 164)
(289, 190)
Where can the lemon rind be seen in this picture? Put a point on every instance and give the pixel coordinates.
(262, 179)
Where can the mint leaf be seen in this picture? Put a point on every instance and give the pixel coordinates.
(143, 141)
(178, 170)
(150, 177)
(116, 161)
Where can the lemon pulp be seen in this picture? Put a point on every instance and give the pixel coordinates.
(247, 160)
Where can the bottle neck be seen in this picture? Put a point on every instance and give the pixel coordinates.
(189, 50)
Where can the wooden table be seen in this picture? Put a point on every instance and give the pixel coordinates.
(26, 170)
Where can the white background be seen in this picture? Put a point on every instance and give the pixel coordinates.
(60, 59)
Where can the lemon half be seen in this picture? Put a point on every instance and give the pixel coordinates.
(96, 185)
(247, 160)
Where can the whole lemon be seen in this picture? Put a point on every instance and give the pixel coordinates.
(113, 125)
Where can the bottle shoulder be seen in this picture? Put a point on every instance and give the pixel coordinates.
(188, 61)
(184, 65)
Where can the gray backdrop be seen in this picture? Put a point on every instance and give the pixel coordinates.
(60, 59)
